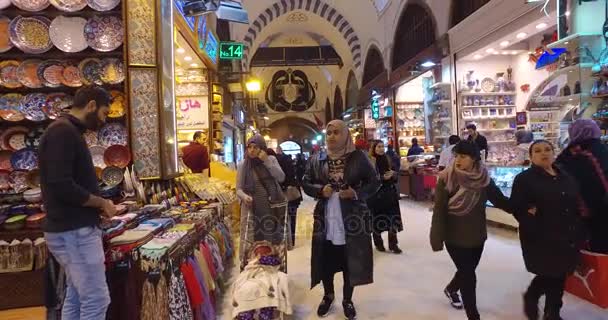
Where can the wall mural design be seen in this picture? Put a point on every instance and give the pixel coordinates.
(290, 90)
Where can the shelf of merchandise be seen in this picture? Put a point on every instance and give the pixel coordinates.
(506, 93)
(497, 130)
(489, 118)
(440, 84)
(573, 68)
(502, 141)
(442, 119)
(568, 39)
(442, 137)
(489, 106)
(441, 102)
(545, 122)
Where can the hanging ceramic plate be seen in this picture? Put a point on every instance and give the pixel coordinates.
(8, 74)
(117, 156)
(5, 160)
(112, 71)
(90, 137)
(410, 114)
(28, 74)
(69, 5)
(32, 138)
(103, 5)
(104, 33)
(97, 153)
(5, 136)
(5, 4)
(112, 176)
(111, 134)
(31, 34)
(10, 106)
(31, 5)
(90, 71)
(18, 179)
(118, 106)
(5, 179)
(55, 104)
(25, 159)
(488, 85)
(67, 33)
(71, 76)
(17, 141)
(31, 107)
(5, 41)
(50, 72)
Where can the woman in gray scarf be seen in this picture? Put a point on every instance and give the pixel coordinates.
(459, 221)
(263, 205)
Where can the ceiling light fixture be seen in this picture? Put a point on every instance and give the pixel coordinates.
(504, 53)
(181, 50)
(428, 64)
(491, 50)
(478, 56)
(567, 14)
(194, 65)
(188, 58)
(521, 35)
(504, 44)
(266, 118)
(541, 26)
(513, 52)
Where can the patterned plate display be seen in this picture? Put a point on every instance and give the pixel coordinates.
(90, 137)
(69, 5)
(31, 107)
(4, 137)
(28, 74)
(118, 107)
(67, 33)
(5, 160)
(5, 41)
(18, 179)
(55, 104)
(71, 76)
(17, 141)
(10, 106)
(4, 179)
(5, 4)
(117, 156)
(488, 85)
(111, 134)
(103, 5)
(90, 71)
(97, 153)
(31, 5)
(8, 74)
(33, 178)
(104, 33)
(32, 138)
(112, 176)
(112, 71)
(31, 34)
(50, 72)
(25, 159)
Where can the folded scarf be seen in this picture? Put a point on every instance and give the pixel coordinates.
(465, 188)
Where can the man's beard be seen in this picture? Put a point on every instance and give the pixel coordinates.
(92, 122)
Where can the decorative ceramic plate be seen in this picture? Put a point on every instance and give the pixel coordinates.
(112, 176)
(33, 178)
(25, 159)
(28, 74)
(104, 33)
(112, 71)
(50, 72)
(5, 4)
(5, 41)
(31, 107)
(55, 104)
(71, 76)
(31, 34)
(10, 104)
(8, 133)
(32, 138)
(18, 179)
(67, 33)
(90, 137)
(410, 114)
(103, 5)
(31, 5)
(5, 160)
(117, 156)
(111, 134)
(118, 107)
(97, 153)
(4, 179)
(8, 74)
(488, 85)
(90, 71)
(69, 5)
(17, 141)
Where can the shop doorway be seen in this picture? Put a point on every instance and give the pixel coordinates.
(291, 148)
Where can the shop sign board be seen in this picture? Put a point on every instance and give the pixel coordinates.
(375, 105)
(211, 46)
(189, 20)
(231, 50)
(202, 32)
(193, 112)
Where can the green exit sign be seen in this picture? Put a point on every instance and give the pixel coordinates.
(231, 50)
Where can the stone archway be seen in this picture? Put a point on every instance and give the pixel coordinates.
(328, 113)
(338, 103)
(374, 65)
(416, 31)
(294, 129)
(352, 90)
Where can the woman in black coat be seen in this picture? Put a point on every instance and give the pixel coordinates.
(289, 169)
(385, 203)
(342, 180)
(545, 202)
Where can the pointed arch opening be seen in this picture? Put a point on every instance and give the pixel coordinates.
(374, 65)
(415, 32)
(338, 103)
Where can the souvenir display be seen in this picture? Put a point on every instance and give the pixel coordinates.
(32, 138)
(17, 141)
(111, 134)
(28, 74)
(5, 160)
(104, 33)
(117, 108)
(488, 85)
(71, 76)
(31, 5)
(5, 4)
(90, 137)
(15, 222)
(33, 178)
(112, 71)
(8, 74)
(4, 179)
(50, 72)
(90, 71)
(97, 155)
(5, 41)
(117, 156)
(103, 5)
(18, 179)
(31, 34)
(69, 5)
(10, 106)
(67, 33)
(35, 221)
(55, 104)
(33, 195)
(31, 107)
(25, 159)
(112, 176)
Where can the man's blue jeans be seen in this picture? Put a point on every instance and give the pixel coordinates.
(80, 253)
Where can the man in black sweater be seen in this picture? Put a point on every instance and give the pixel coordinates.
(478, 139)
(74, 209)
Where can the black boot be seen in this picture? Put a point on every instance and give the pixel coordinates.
(552, 316)
(349, 310)
(378, 243)
(325, 306)
(393, 243)
(530, 306)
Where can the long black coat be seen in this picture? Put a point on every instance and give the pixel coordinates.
(361, 176)
(384, 205)
(551, 238)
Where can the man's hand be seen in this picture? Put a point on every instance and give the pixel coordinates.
(389, 175)
(248, 200)
(327, 191)
(108, 209)
(348, 194)
(263, 156)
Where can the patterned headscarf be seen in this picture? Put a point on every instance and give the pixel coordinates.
(345, 146)
(584, 129)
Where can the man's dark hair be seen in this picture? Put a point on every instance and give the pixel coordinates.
(415, 141)
(468, 149)
(472, 126)
(453, 139)
(197, 135)
(85, 95)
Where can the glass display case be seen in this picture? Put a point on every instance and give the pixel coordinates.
(440, 113)
(504, 176)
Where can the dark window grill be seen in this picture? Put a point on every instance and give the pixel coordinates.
(415, 32)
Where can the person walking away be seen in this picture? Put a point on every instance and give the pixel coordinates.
(291, 189)
(586, 160)
(415, 149)
(459, 221)
(386, 213)
(395, 159)
(341, 180)
(74, 209)
(478, 139)
(196, 155)
(545, 202)
(263, 205)
(300, 167)
(446, 158)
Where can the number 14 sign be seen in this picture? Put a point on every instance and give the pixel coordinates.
(231, 50)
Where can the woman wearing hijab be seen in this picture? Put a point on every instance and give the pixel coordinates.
(342, 179)
(586, 159)
(545, 202)
(459, 221)
(385, 203)
(263, 205)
